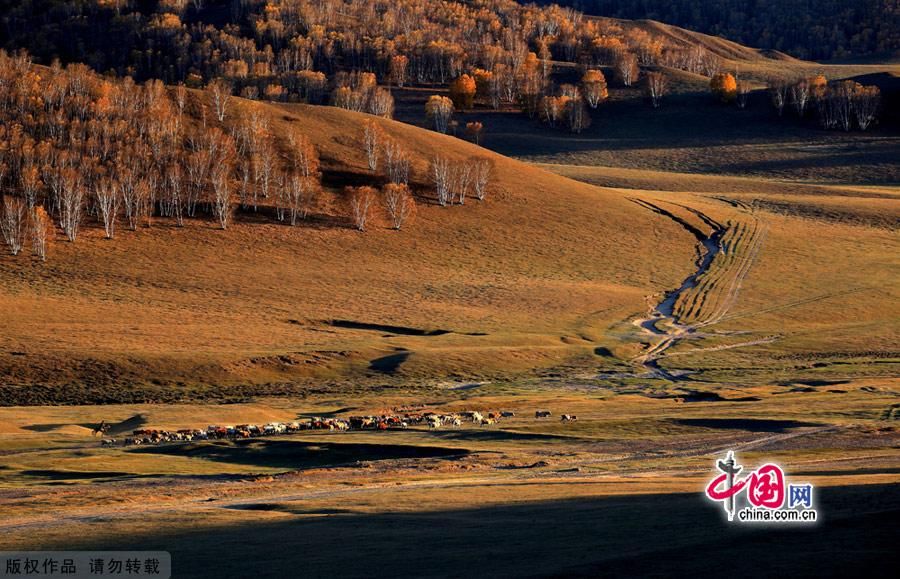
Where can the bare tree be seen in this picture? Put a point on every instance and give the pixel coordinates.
(221, 182)
(220, 92)
(40, 232)
(627, 68)
(180, 103)
(263, 170)
(399, 203)
(372, 140)
(578, 115)
(13, 223)
(197, 167)
(174, 193)
(106, 193)
(144, 198)
(303, 157)
(840, 100)
(440, 176)
(481, 176)
(397, 162)
(400, 170)
(362, 200)
(245, 173)
(382, 103)
(800, 95)
(779, 91)
(127, 179)
(303, 194)
(866, 101)
(743, 93)
(460, 180)
(657, 87)
(71, 202)
(30, 182)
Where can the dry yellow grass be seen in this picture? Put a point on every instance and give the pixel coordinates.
(631, 465)
(544, 257)
(819, 291)
(539, 286)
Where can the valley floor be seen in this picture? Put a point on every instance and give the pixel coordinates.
(542, 497)
(678, 310)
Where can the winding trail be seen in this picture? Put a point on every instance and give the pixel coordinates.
(706, 296)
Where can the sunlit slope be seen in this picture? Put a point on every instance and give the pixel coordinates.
(531, 277)
(804, 287)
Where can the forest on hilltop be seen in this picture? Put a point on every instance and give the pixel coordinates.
(99, 116)
(806, 29)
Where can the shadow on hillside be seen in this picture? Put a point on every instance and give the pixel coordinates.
(389, 364)
(749, 424)
(52, 476)
(265, 213)
(493, 434)
(329, 414)
(660, 535)
(115, 428)
(296, 455)
(386, 328)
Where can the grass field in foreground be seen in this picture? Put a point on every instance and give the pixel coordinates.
(541, 495)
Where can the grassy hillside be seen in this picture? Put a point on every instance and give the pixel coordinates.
(825, 29)
(530, 278)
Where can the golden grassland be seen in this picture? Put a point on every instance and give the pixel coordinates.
(542, 257)
(822, 287)
(631, 465)
(545, 275)
(524, 302)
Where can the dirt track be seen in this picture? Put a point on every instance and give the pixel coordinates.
(727, 255)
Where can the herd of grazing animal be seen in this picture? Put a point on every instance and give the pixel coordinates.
(216, 432)
(145, 436)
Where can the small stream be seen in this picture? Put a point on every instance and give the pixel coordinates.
(712, 246)
(665, 310)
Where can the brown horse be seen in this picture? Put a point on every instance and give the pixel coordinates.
(101, 428)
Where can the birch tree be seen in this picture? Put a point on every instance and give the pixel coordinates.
(460, 180)
(657, 87)
(440, 176)
(594, 87)
(221, 182)
(40, 229)
(866, 101)
(800, 96)
(106, 194)
(778, 93)
(303, 195)
(399, 204)
(362, 201)
(220, 93)
(13, 223)
(481, 176)
(372, 142)
(71, 202)
(396, 161)
(627, 68)
(440, 110)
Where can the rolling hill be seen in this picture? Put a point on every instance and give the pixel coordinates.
(530, 278)
(541, 279)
